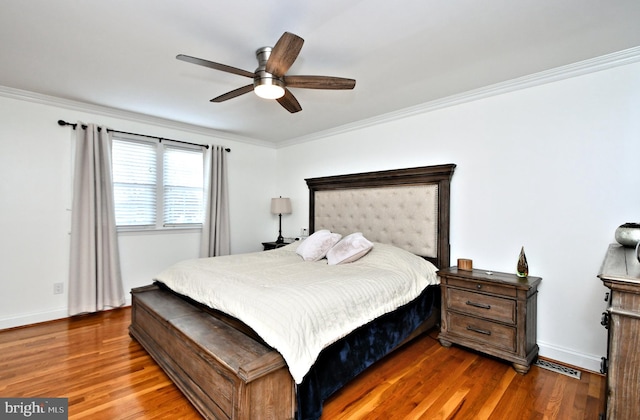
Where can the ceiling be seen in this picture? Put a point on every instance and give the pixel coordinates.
(121, 53)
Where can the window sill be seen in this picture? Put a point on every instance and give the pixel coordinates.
(129, 231)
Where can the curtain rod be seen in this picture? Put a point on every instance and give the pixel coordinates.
(62, 123)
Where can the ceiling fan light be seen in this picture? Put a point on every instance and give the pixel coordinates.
(269, 88)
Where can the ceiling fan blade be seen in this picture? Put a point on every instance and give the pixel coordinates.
(283, 54)
(215, 66)
(289, 102)
(319, 82)
(233, 94)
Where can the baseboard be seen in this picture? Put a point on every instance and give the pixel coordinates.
(549, 351)
(36, 318)
(570, 357)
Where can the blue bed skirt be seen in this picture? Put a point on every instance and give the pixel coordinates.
(344, 360)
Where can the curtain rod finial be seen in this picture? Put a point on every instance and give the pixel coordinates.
(62, 123)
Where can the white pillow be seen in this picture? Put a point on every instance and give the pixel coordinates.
(349, 249)
(315, 247)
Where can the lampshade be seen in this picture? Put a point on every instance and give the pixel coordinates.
(281, 205)
(269, 88)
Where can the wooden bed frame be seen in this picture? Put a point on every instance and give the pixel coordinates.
(219, 363)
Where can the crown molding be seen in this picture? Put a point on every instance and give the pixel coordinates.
(593, 65)
(621, 58)
(70, 104)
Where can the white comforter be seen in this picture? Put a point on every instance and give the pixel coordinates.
(300, 307)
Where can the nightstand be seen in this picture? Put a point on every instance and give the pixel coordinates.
(273, 245)
(493, 313)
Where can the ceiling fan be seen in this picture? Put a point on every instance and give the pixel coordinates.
(269, 79)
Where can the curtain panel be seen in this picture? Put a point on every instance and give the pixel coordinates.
(95, 281)
(215, 230)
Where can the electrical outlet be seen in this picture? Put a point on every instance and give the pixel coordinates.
(58, 288)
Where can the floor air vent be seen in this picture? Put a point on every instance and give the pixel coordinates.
(554, 367)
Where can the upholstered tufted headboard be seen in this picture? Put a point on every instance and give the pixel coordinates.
(408, 208)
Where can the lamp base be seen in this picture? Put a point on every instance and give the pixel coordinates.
(280, 239)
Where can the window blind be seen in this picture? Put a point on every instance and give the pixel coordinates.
(134, 182)
(182, 186)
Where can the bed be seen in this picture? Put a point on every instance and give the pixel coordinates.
(230, 370)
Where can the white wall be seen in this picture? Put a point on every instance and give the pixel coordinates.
(35, 197)
(553, 168)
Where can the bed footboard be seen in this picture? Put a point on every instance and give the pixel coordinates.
(223, 372)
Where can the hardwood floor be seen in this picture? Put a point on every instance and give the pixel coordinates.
(92, 361)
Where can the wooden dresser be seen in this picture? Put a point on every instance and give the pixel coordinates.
(491, 312)
(620, 272)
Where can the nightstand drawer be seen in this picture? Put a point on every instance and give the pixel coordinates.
(491, 333)
(491, 307)
(480, 286)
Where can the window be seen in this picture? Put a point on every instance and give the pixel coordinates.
(157, 184)
(182, 183)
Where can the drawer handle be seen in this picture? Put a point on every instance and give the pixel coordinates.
(604, 365)
(478, 305)
(604, 321)
(478, 330)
